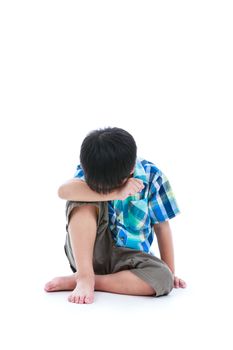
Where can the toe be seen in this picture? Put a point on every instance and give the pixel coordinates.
(71, 298)
(89, 300)
(76, 299)
(81, 299)
(48, 287)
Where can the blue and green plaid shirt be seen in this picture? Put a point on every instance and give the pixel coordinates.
(131, 220)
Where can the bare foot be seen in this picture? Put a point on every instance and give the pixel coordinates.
(84, 290)
(61, 283)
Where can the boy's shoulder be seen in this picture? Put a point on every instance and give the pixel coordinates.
(148, 164)
(150, 170)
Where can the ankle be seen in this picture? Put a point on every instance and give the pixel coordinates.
(85, 274)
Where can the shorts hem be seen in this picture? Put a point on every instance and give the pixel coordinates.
(146, 278)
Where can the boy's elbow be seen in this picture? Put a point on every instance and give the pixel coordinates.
(69, 190)
(62, 193)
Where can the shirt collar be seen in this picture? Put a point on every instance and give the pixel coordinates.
(139, 171)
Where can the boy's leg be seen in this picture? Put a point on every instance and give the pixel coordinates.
(123, 282)
(82, 231)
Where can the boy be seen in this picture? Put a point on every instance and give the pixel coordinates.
(115, 203)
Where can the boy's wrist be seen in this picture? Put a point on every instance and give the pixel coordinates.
(111, 196)
(114, 194)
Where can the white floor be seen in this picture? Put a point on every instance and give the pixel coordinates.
(192, 318)
(184, 319)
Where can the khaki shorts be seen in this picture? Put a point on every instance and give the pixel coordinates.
(108, 258)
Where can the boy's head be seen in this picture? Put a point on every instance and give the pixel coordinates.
(108, 158)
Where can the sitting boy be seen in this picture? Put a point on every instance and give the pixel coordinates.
(115, 203)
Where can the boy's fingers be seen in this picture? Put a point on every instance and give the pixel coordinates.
(179, 283)
(138, 185)
(137, 181)
(182, 283)
(176, 283)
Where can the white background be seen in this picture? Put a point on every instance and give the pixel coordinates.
(161, 70)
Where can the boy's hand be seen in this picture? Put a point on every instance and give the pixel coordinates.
(130, 188)
(179, 283)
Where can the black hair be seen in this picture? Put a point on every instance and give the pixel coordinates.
(107, 157)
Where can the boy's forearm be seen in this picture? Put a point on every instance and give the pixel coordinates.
(78, 190)
(165, 243)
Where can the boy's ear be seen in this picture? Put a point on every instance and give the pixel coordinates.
(132, 171)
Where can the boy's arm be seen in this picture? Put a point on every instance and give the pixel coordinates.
(165, 243)
(78, 190)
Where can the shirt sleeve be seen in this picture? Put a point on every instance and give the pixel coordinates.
(79, 174)
(162, 203)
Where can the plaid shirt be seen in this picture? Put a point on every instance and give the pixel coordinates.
(131, 220)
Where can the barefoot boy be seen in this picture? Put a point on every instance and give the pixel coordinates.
(115, 203)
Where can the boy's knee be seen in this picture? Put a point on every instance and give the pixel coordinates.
(168, 280)
(83, 211)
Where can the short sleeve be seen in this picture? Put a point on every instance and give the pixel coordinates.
(161, 203)
(79, 174)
